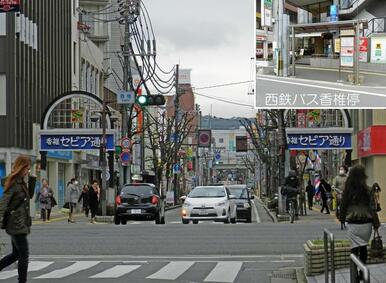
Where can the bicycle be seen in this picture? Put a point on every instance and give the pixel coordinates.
(291, 209)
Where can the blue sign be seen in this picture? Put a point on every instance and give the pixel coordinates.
(333, 13)
(64, 155)
(319, 141)
(125, 157)
(125, 97)
(217, 156)
(2, 175)
(176, 168)
(75, 142)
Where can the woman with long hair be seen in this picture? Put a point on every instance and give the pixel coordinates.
(15, 214)
(359, 211)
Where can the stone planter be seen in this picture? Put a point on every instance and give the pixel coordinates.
(314, 256)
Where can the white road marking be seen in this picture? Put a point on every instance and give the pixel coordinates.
(72, 269)
(322, 87)
(258, 219)
(225, 271)
(32, 266)
(116, 271)
(337, 70)
(172, 270)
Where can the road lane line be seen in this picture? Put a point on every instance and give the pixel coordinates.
(225, 271)
(343, 71)
(258, 219)
(32, 266)
(72, 269)
(172, 270)
(322, 87)
(116, 271)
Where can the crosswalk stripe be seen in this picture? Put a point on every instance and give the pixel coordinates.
(225, 271)
(32, 266)
(72, 269)
(116, 271)
(172, 270)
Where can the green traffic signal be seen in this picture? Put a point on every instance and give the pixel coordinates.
(150, 100)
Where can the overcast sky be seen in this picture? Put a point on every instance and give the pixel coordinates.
(214, 38)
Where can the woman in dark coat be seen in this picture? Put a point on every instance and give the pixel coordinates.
(86, 199)
(94, 194)
(358, 209)
(14, 206)
(325, 194)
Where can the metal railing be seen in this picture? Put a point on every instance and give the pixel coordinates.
(354, 264)
(328, 238)
(376, 25)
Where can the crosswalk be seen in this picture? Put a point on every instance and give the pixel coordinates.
(149, 271)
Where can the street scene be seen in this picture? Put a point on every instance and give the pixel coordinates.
(134, 146)
(320, 54)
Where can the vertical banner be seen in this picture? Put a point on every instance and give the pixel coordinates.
(363, 49)
(9, 6)
(266, 13)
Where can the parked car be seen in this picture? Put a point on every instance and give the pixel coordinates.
(243, 200)
(139, 201)
(209, 203)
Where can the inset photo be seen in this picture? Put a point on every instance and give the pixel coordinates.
(320, 54)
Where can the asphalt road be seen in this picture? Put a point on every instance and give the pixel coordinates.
(146, 252)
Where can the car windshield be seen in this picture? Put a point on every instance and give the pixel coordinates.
(138, 190)
(207, 192)
(240, 193)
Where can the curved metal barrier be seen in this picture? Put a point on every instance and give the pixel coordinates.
(328, 238)
(355, 263)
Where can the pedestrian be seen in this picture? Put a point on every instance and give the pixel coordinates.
(340, 179)
(376, 190)
(15, 214)
(325, 194)
(72, 195)
(45, 199)
(291, 190)
(85, 196)
(359, 211)
(310, 189)
(94, 195)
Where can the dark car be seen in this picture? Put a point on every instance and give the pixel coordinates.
(139, 201)
(243, 201)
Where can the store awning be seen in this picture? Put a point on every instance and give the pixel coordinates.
(311, 34)
(328, 26)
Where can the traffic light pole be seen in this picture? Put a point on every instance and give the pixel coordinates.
(176, 105)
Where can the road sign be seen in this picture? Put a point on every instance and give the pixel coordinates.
(176, 168)
(125, 157)
(126, 143)
(125, 97)
(107, 175)
(217, 156)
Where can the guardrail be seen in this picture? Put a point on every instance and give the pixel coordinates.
(328, 238)
(354, 264)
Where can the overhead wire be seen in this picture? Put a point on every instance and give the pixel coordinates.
(223, 100)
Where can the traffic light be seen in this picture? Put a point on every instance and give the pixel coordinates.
(150, 100)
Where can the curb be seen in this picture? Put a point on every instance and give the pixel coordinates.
(273, 217)
(54, 218)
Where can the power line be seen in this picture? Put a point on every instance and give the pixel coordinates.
(223, 100)
(222, 85)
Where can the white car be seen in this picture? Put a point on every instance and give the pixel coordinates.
(209, 203)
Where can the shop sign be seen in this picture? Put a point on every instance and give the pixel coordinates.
(371, 141)
(79, 141)
(301, 118)
(378, 50)
(363, 49)
(333, 13)
(328, 138)
(65, 155)
(266, 13)
(9, 6)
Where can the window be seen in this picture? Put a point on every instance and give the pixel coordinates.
(3, 27)
(3, 94)
(220, 140)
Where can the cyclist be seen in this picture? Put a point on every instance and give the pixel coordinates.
(291, 190)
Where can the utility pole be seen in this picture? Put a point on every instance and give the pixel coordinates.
(102, 157)
(176, 135)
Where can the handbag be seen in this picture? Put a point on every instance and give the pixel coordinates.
(53, 202)
(376, 246)
(66, 205)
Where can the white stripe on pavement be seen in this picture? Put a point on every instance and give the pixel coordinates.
(225, 271)
(172, 270)
(258, 219)
(116, 271)
(72, 269)
(32, 266)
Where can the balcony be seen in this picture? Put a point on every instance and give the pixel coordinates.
(349, 8)
(376, 26)
(94, 2)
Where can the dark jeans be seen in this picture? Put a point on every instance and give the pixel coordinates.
(94, 210)
(72, 207)
(20, 253)
(86, 210)
(310, 201)
(324, 205)
(46, 213)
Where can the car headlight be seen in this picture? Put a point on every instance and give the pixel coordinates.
(221, 203)
(246, 205)
(186, 203)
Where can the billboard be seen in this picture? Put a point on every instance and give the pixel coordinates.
(371, 141)
(378, 49)
(266, 13)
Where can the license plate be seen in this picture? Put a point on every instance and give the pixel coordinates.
(202, 212)
(135, 211)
